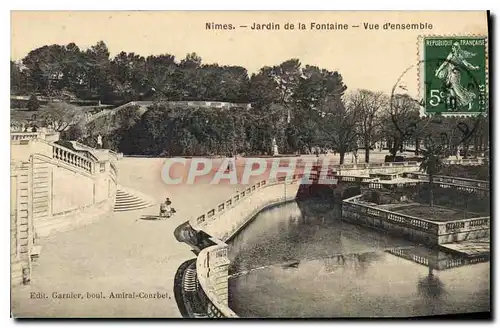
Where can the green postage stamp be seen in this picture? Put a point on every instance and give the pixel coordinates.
(453, 74)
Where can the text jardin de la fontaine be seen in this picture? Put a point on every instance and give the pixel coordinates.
(320, 26)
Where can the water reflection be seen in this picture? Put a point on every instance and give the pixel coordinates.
(303, 261)
(430, 286)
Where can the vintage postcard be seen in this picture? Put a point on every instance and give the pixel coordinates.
(169, 164)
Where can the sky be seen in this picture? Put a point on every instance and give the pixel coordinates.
(367, 59)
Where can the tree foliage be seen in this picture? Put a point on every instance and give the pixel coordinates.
(300, 106)
(56, 70)
(60, 116)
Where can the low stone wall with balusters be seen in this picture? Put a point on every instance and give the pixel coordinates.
(224, 221)
(465, 229)
(228, 217)
(480, 187)
(368, 168)
(465, 161)
(16, 137)
(418, 229)
(464, 183)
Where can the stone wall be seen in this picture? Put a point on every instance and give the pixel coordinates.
(21, 223)
(423, 230)
(224, 221)
(64, 196)
(230, 218)
(50, 136)
(364, 169)
(54, 189)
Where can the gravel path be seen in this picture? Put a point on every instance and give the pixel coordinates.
(118, 254)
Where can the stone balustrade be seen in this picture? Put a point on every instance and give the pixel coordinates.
(212, 265)
(441, 179)
(465, 161)
(368, 168)
(433, 233)
(212, 262)
(478, 223)
(17, 136)
(72, 158)
(469, 185)
(354, 208)
(21, 136)
(204, 219)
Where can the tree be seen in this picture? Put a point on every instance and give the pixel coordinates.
(315, 84)
(403, 119)
(162, 77)
(74, 76)
(45, 69)
(33, 103)
(432, 163)
(97, 71)
(127, 72)
(263, 90)
(277, 85)
(370, 106)
(61, 116)
(286, 77)
(192, 61)
(338, 125)
(18, 79)
(481, 135)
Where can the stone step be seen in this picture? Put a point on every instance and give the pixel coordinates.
(130, 200)
(131, 206)
(123, 209)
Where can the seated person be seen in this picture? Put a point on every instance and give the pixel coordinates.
(163, 209)
(167, 206)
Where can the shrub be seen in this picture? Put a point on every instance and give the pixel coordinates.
(33, 103)
(375, 197)
(351, 192)
(389, 159)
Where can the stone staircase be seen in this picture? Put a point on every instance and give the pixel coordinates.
(131, 200)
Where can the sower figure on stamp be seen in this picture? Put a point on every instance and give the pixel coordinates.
(449, 71)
